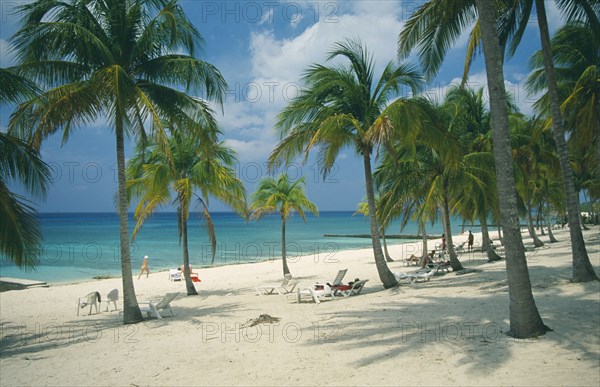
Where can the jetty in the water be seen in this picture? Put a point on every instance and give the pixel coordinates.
(392, 236)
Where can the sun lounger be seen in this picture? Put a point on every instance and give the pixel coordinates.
(287, 285)
(354, 288)
(415, 277)
(316, 293)
(153, 307)
(175, 275)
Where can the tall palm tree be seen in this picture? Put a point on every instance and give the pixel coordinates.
(125, 60)
(20, 234)
(283, 196)
(345, 107)
(513, 24)
(199, 168)
(445, 20)
(479, 198)
(576, 55)
(525, 319)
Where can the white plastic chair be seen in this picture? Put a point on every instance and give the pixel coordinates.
(113, 296)
(92, 299)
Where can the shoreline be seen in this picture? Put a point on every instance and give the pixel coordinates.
(135, 271)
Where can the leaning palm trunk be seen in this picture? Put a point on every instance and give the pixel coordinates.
(385, 249)
(583, 270)
(486, 245)
(424, 235)
(547, 221)
(286, 269)
(385, 275)
(131, 309)
(454, 262)
(536, 241)
(189, 285)
(525, 320)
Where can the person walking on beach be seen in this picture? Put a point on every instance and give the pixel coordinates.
(470, 242)
(144, 268)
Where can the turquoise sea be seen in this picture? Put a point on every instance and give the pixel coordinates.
(79, 246)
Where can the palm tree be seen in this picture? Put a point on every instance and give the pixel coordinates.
(343, 106)
(525, 319)
(576, 58)
(285, 197)
(20, 234)
(125, 60)
(199, 168)
(513, 23)
(479, 198)
(445, 20)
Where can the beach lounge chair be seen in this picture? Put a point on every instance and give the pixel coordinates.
(174, 275)
(317, 293)
(154, 307)
(113, 296)
(337, 281)
(352, 289)
(414, 277)
(288, 284)
(92, 299)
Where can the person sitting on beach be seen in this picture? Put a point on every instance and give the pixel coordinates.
(180, 268)
(412, 258)
(428, 260)
(144, 268)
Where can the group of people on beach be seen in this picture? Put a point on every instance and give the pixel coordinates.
(428, 260)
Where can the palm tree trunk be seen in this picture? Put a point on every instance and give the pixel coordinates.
(525, 320)
(485, 240)
(385, 249)
(583, 271)
(385, 275)
(547, 219)
(424, 234)
(131, 309)
(286, 269)
(189, 285)
(454, 262)
(536, 241)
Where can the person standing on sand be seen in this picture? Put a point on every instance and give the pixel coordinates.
(144, 268)
(470, 242)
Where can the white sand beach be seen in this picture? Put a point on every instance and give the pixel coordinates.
(448, 331)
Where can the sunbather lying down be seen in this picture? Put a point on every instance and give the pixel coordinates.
(412, 259)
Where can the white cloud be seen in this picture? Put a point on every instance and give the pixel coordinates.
(277, 64)
(267, 17)
(516, 90)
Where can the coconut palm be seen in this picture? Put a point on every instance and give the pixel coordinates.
(20, 234)
(445, 20)
(123, 60)
(345, 107)
(200, 169)
(576, 58)
(283, 196)
(513, 24)
(525, 319)
(478, 200)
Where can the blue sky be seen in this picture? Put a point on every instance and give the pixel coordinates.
(262, 48)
